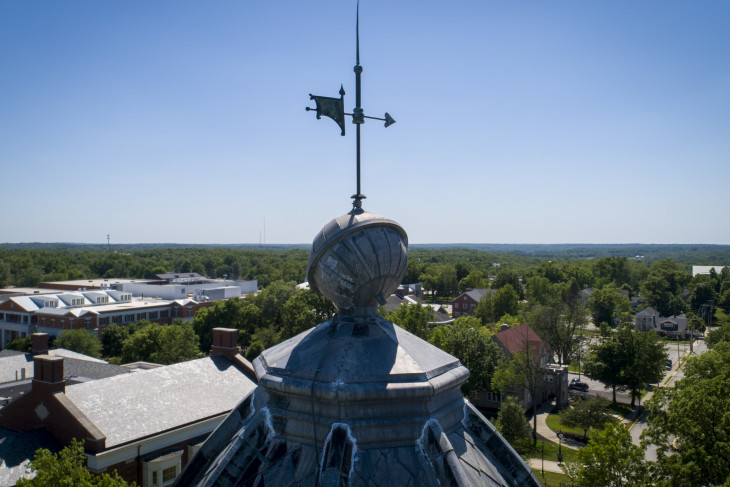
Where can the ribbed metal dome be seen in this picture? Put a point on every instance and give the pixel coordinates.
(357, 259)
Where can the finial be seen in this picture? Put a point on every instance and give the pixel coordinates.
(334, 108)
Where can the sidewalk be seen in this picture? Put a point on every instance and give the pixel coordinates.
(547, 433)
(550, 466)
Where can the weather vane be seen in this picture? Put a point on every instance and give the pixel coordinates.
(334, 108)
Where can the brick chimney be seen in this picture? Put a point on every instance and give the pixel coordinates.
(48, 373)
(225, 342)
(39, 344)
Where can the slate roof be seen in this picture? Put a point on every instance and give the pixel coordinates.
(17, 449)
(245, 451)
(132, 406)
(648, 311)
(356, 401)
(75, 365)
(478, 293)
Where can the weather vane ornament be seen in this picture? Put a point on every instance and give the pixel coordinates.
(334, 108)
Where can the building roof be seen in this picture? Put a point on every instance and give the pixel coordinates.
(132, 406)
(356, 401)
(75, 365)
(705, 269)
(648, 311)
(478, 293)
(18, 449)
(514, 339)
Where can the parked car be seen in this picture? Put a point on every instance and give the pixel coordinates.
(578, 385)
(668, 365)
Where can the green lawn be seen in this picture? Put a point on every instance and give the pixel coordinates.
(553, 422)
(721, 318)
(524, 448)
(551, 479)
(621, 409)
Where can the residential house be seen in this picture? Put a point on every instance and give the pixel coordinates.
(649, 319)
(466, 302)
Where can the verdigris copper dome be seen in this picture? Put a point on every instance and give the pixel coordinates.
(358, 259)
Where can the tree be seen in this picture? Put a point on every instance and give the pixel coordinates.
(162, 344)
(603, 363)
(80, 341)
(475, 279)
(470, 342)
(441, 280)
(508, 276)
(560, 319)
(663, 286)
(21, 344)
(485, 309)
(628, 360)
(271, 300)
(305, 309)
(67, 469)
(511, 420)
(506, 301)
(608, 305)
(696, 415)
(586, 414)
(242, 314)
(413, 318)
(610, 460)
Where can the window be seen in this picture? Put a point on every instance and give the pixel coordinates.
(128, 318)
(169, 474)
(161, 471)
(164, 314)
(153, 315)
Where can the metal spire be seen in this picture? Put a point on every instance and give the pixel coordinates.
(334, 109)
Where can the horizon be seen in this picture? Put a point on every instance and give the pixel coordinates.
(530, 122)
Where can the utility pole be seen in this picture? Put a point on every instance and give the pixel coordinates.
(108, 245)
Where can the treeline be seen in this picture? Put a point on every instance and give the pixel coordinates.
(443, 267)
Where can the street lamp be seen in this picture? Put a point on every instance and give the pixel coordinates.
(560, 446)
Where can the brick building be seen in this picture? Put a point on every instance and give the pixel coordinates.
(90, 309)
(466, 303)
(146, 424)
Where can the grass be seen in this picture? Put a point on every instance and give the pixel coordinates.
(721, 318)
(621, 409)
(553, 422)
(551, 479)
(524, 447)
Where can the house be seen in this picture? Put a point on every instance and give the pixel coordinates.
(554, 377)
(147, 424)
(649, 319)
(466, 302)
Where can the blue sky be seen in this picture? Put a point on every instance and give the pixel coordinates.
(517, 122)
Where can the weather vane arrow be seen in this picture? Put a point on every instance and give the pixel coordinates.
(334, 108)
